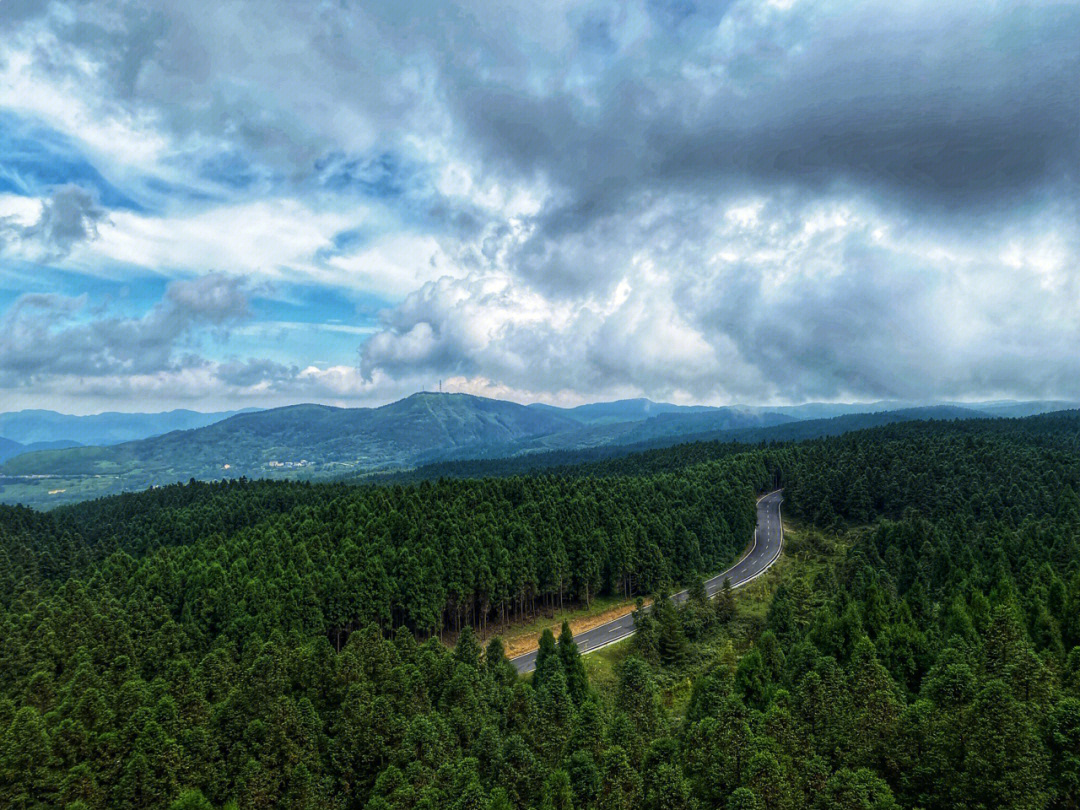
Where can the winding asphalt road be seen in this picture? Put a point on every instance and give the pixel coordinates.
(768, 543)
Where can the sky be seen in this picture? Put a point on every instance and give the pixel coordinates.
(219, 205)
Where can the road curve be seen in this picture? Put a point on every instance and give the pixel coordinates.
(768, 543)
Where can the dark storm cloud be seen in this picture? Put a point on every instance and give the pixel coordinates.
(955, 104)
(738, 200)
(950, 106)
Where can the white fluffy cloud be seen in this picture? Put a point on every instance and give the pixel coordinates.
(769, 300)
(267, 238)
(746, 201)
(45, 335)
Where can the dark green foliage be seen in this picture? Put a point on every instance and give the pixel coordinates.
(671, 639)
(276, 645)
(577, 681)
(856, 790)
(725, 603)
(698, 615)
(646, 633)
(547, 660)
(743, 799)
(191, 800)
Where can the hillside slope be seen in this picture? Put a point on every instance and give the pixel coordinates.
(273, 644)
(453, 432)
(302, 439)
(10, 449)
(665, 452)
(622, 410)
(41, 426)
(664, 428)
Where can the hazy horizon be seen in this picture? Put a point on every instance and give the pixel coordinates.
(890, 404)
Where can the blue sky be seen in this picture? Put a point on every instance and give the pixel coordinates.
(215, 205)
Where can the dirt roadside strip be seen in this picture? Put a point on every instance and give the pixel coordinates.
(528, 642)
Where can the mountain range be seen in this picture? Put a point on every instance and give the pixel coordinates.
(10, 449)
(312, 441)
(35, 427)
(585, 457)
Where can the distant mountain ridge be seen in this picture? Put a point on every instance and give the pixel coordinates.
(111, 427)
(622, 410)
(667, 424)
(319, 441)
(536, 462)
(304, 437)
(629, 410)
(10, 449)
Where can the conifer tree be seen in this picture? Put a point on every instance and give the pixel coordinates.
(577, 681)
(725, 603)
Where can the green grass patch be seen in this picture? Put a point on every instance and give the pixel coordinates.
(807, 553)
(603, 664)
(48, 492)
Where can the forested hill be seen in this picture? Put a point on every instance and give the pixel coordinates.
(42, 427)
(425, 436)
(273, 644)
(316, 441)
(669, 452)
(394, 433)
(10, 449)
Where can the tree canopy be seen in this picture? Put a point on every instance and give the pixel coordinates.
(261, 644)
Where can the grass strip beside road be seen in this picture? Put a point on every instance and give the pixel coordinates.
(522, 638)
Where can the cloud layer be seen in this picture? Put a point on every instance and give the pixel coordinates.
(750, 201)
